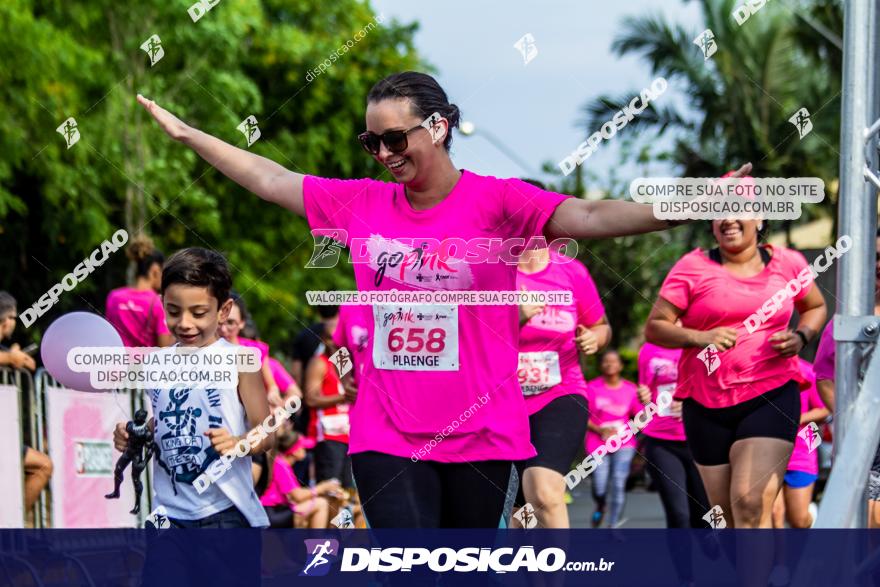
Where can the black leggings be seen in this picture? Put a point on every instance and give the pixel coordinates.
(678, 481)
(397, 493)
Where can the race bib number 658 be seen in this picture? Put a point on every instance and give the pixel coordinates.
(416, 338)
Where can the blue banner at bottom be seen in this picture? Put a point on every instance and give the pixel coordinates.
(456, 558)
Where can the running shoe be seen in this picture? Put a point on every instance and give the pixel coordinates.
(813, 508)
(597, 518)
(568, 499)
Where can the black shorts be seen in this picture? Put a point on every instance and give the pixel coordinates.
(332, 462)
(712, 431)
(557, 432)
(280, 516)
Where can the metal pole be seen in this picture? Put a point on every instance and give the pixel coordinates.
(857, 209)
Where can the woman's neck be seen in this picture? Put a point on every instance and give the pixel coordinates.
(430, 192)
(612, 380)
(142, 284)
(743, 257)
(534, 260)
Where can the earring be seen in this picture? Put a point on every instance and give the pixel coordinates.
(760, 227)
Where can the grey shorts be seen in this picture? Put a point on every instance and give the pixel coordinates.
(874, 478)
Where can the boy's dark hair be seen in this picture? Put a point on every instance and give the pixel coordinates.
(7, 303)
(328, 311)
(199, 267)
(425, 94)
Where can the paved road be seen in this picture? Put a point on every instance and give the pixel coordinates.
(642, 510)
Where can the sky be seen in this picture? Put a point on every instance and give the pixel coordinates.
(533, 108)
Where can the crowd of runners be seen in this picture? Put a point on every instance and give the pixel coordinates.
(724, 416)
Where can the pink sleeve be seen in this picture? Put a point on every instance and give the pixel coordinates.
(526, 208)
(282, 476)
(644, 360)
(158, 317)
(823, 365)
(282, 378)
(814, 399)
(339, 336)
(635, 406)
(329, 202)
(589, 304)
(798, 263)
(679, 283)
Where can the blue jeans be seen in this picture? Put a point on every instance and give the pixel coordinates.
(614, 467)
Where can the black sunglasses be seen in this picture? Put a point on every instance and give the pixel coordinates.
(396, 141)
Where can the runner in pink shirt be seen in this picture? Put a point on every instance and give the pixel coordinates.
(231, 331)
(550, 340)
(137, 311)
(431, 367)
(795, 502)
(613, 403)
(741, 390)
(824, 368)
(669, 459)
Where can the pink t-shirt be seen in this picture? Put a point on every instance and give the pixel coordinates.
(137, 315)
(801, 457)
(549, 365)
(256, 344)
(353, 332)
(612, 407)
(434, 365)
(712, 297)
(658, 369)
(824, 362)
(283, 482)
(282, 378)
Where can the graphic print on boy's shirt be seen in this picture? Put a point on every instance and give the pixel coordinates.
(184, 453)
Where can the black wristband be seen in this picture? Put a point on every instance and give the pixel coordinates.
(803, 337)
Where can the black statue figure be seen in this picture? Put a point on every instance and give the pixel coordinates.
(139, 452)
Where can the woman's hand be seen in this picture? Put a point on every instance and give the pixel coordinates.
(586, 340)
(644, 394)
(173, 126)
(786, 343)
(607, 432)
(723, 338)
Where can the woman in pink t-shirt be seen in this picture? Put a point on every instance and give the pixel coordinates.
(795, 502)
(824, 368)
(740, 389)
(549, 373)
(666, 452)
(231, 331)
(136, 311)
(440, 416)
(613, 403)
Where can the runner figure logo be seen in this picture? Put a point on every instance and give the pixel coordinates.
(526, 516)
(249, 128)
(810, 436)
(70, 131)
(343, 520)
(321, 554)
(327, 249)
(153, 47)
(158, 519)
(715, 518)
(342, 360)
(526, 46)
(710, 358)
(706, 42)
(801, 121)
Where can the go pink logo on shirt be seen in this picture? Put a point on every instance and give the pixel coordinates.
(410, 255)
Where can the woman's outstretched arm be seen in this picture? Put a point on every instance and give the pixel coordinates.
(576, 218)
(262, 176)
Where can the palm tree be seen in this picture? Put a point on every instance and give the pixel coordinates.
(740, 100)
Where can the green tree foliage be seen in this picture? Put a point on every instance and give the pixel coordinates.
(241, 58)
